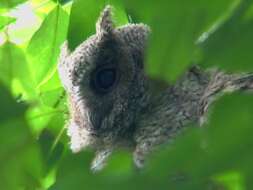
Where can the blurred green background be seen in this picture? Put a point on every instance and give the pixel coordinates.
(34, 153)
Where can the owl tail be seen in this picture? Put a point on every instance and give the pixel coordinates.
(221, 83)
(241, 82)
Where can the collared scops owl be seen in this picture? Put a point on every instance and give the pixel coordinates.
(113, 104)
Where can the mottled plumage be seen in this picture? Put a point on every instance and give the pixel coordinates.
(112, 102)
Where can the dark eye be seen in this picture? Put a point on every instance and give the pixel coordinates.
(104, 79)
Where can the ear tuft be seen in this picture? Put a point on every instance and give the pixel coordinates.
(105, 23)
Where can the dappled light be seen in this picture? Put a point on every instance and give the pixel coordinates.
(34, 146)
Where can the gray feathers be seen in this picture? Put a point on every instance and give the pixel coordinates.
(111, 101)
(104, 25)
(100, 120)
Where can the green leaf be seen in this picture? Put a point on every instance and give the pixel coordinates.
(176, 25)
(230, 47)
(53, 98)
(14, 66)
(62, 2)
(10, 3)
(219, 147)
(217, 156)
(82, 23)
(232, 180)
(119, 12)
(4, 21)
(52, 93)
(19, 155)
(115, 168)
(45, 44)
(10, 107)
(40, 115)
(74, 172)
(51, 154)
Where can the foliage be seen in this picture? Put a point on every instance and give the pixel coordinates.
(34, 151)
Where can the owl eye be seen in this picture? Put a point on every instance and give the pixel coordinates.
(104, 79)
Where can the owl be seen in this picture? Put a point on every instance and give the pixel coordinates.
(113, 104)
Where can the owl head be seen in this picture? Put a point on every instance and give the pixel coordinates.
(105, 83)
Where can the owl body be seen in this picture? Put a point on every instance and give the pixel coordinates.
(112, 102)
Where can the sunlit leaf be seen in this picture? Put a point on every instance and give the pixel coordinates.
(27, 22)
(44, 47)
(53, 98)
(39, 116)
(52, 93)
(232, 180)
(4, 21)
(14, 66)
(10, 3)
